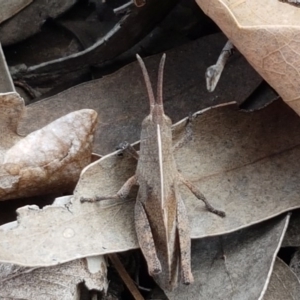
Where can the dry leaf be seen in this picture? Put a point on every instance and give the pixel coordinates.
(46, 159)
(283, 284)
(55, 283)
(6, 83)
(134, 25)
(28, 21)
(246, 164)
(292, 237)
(295, 264)
(267, 34)
(122, 109)
(12, 7)
(235, 266)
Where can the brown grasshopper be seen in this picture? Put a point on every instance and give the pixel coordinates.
(161, 220)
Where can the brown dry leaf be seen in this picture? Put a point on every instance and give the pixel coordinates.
(246, 164)
(55, 283)
(234, 266)
(12, 7)
(267, 34)
(47, 159)
(121, 99)
(284, 284)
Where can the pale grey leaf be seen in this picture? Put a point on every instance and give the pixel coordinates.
(284, 284)
(235, 266)
(295, 263)
(292, 237)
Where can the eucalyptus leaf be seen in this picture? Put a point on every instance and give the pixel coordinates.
(284, 284)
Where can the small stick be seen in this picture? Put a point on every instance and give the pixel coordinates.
(213, 73)
(30, 91)
(125, 276)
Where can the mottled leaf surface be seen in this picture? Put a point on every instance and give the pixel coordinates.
(55, 283)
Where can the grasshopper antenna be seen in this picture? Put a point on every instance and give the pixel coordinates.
(147, 81)
(160, 80)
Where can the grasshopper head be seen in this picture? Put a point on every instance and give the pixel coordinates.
(157, 115)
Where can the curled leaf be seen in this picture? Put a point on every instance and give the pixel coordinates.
(46, 159)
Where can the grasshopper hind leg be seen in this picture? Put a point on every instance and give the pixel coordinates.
(183, 230)
(146, 240)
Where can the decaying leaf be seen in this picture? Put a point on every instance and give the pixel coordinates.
(284, 284)
(46, 159)
(246, 164)
(55, 283)
(267, 34)
(234, 266)
(122, 109)
(10, 8)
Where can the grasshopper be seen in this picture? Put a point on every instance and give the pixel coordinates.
(161, 220)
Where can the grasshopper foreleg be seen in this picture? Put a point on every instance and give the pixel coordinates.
(126, 147)
(121, 194)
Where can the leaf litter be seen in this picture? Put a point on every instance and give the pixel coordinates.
(122, 109)
(252, 177)
(270, 166)
(268, 38)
